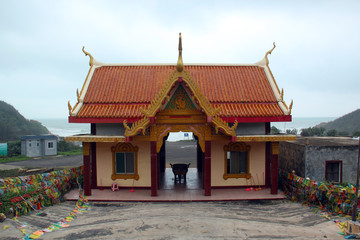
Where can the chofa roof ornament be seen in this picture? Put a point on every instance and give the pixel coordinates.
(180, 64)
(88, 54)
(269, 52)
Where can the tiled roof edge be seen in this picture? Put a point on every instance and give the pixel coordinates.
(84, 90)
(100, 64)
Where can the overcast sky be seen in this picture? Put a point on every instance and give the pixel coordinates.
(316, 59)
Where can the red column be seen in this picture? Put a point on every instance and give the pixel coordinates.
(207, 168)
(87, 175)
(274, 167)
(154, 169)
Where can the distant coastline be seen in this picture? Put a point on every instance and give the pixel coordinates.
(61, 127)
(302, 122)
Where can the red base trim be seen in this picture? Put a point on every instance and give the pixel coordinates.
(287, 118)
(179, 116)
(164, 201)
(120, 187)
(102, 120)
(237, 187)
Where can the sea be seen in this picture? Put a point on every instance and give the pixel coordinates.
(61, 127)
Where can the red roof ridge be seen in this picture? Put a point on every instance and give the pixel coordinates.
(101, 64)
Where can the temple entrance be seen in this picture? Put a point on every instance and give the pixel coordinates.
(181, 150)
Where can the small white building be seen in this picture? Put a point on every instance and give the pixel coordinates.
(39, 146)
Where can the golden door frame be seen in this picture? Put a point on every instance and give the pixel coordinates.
(158, 132)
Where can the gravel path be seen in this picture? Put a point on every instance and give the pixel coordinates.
(201, 220)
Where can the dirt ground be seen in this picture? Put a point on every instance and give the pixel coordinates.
(192, 220)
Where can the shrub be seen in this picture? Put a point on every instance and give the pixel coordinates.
(14, 148)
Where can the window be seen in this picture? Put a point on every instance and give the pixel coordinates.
(236, 161)
(124, 161)
(333, 171)
(50, 144)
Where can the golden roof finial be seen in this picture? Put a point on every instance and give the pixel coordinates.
(290, 107)
(70, 108)
(269, 52)
(180, 64)
(88, 54)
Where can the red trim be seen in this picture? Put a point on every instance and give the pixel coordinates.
(238, 187)
(102, 120)
(120, 187)
(190, 200)
(286, 118)
(180, 116)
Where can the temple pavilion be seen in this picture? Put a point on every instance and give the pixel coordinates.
(132, 108)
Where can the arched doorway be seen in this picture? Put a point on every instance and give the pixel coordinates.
(181, 148)
(158, 134)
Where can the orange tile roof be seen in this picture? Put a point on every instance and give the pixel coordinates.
(120, 91)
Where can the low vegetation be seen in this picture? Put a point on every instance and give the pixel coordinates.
(347, 125)
(13, 125)
(14, 151)
(316, 131)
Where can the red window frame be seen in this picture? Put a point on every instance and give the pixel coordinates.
(340, 166)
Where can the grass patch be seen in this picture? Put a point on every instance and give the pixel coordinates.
(14, 159)
(24, 172)
(24, 158)
(9, 173)
(71, 153)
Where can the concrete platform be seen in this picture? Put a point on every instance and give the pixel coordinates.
(189, 195)
(169, 191)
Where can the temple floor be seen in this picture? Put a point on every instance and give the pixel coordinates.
(193, 180)
(178, 192)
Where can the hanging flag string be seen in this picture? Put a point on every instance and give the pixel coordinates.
(336, 199)
(30, 193)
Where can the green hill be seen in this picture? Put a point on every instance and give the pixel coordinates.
(349, 123)
(13, 125)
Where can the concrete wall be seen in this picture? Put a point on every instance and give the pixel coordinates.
(32, 148)
(49, 151)
(292, 157)
(23, 148)
(110, 129)
(257, 165)
(104, 166)
(250, 129)
(316, 156)
(38, 148)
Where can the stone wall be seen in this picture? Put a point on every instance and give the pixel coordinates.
(292, 157)
(316, 157)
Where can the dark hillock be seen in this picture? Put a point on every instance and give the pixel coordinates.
(13, 125)
(349, 123)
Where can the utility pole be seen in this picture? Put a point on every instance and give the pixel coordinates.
(354, 212)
